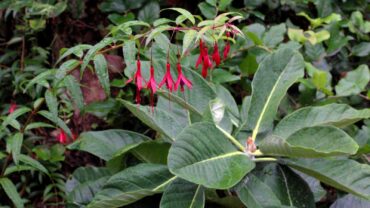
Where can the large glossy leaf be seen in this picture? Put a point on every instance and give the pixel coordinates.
(183, 194)
(354, 82)
(205, 155)
(84, 183)
(275, 74)
(105, 144)
(152, 152)
(318, 141)
(344, 174)
(10, 190)
(339, 115)
(288, 187)
(350, 201)
(254, 193)
(132, 184)
(159, 120)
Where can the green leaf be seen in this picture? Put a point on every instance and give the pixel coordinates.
(10, 189)
(59, 122)
(84, 183)
(159, 120)
(16, 145)
(152, 152)
(101, 68)
(105, 144)
(77, 50)
(186, 13)
(65, 68)
(354, 82)
(275, 35)
(132, 184)
(343, 174)
(52, 102)
(350, 200)
(203, 154)
(33, 163)
(318, 141)
(183, 194)
(156, 32)
(149, 13)
(339, 115)
(13, 116)
(255, 193)
(223, 4)
(74, 88)
(218, 115)
(207, 10)
(275, 74)
(287, 186)
(40, 78)
(362, 49)
(188, 40)
(91, 53)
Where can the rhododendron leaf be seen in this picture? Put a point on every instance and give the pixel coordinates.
(183, 194)
(344, 174)
(203, 154)
(132, 184)
(159, 120)
(339, 115)
(275, 74)
(318, 141)
(105, 144)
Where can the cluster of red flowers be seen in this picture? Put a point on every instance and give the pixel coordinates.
(152, 84)
(204, 57)
(181, 81)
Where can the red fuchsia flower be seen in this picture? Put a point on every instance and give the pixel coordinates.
(227, 46)
(167, 79)
(216, 55)
(138, 80)
(152, 86)
(206, 62)
(13, 107)
(62, 136)
(200, 57)
(182, 80)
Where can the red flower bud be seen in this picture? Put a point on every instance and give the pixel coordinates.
(167, 79)
(182, 80)
(152, 86)
(138, 80)
(200, 57)
(13, 107)
(216, 55)
(226, 50)
(62, 137)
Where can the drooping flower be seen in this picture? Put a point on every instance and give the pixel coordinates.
(200, 57)
(62, 136)
(138, 80)
(13, 107)
(216, 55)
(206, 62)
(227, 46)
(167, 79)
(152, 86)
(182, 80)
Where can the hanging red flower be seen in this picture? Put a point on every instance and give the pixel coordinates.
(13, 107)
(182, 80)
(206, 62)
(200, 57)
(152, 86)
(138, 80)
(216, 54)
(167, 79)
(62, 137)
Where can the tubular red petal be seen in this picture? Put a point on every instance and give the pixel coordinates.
(216, 55)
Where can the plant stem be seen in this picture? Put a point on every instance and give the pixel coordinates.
(265, 159)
